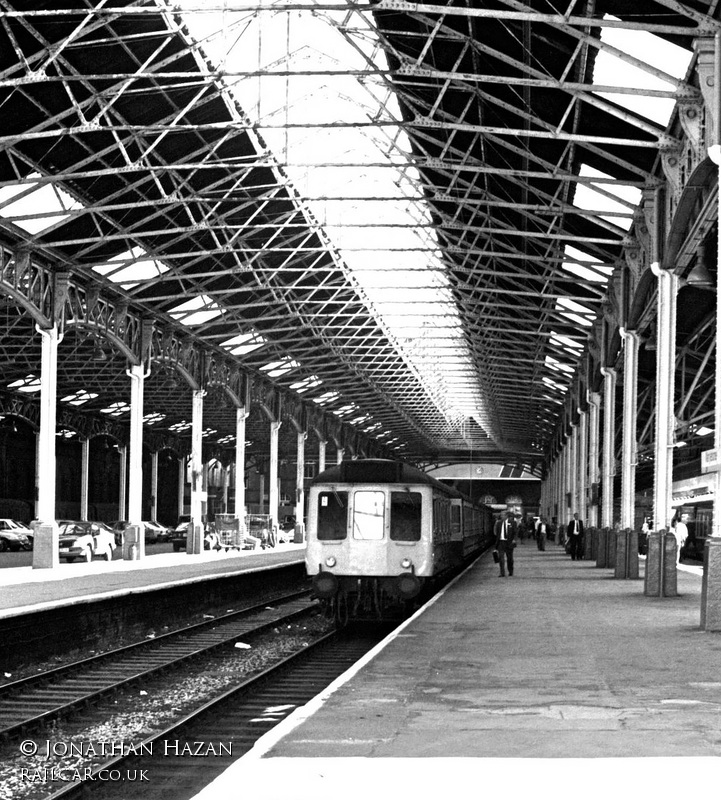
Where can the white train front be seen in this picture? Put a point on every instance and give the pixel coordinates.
(379, 530)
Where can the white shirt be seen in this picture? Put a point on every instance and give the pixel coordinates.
(681, 532)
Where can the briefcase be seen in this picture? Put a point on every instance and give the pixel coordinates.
(496, 557)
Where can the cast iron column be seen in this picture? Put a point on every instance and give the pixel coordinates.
(134, 534)
(45, 547)
(241, 415)
(627, 540)
(609, 441)
(84, 477)
(300, 488)
(711, 583)
(273, 476)
(594, 405)
(196, 531)
(660, 579)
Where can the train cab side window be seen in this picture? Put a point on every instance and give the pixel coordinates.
(368, 514)
(406, 516)
(332, 516)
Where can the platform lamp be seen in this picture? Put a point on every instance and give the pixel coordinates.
(98, 353)
(700, 276)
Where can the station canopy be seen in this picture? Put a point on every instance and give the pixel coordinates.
(405, 213)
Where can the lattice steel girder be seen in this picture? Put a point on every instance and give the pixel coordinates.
(420, 122)
(400, 77)
(524, 15)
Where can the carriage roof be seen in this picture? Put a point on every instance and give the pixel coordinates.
(379, 470)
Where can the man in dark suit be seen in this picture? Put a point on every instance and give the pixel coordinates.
(505, 531)
(575, 538)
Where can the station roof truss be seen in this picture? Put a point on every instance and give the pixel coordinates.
(131, 158)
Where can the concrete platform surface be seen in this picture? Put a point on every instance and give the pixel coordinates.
(560, 681)
(24, 589)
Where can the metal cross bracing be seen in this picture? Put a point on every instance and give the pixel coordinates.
(168, 197)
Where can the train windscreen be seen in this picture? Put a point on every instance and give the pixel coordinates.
(368, 515)
(332, 516)
(406, 516)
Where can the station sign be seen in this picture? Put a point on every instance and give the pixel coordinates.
(711, 460)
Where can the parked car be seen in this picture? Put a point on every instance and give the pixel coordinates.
(179, 535)
(162, 531)
(84, 540)
(15, 536)
(118, 527)
(154, 532)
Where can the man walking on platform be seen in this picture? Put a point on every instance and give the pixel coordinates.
(505, 531)
(575, 537)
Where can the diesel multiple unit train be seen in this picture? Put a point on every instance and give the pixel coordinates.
(379, 531)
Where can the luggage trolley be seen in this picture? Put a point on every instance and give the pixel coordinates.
(228, 530)
(260, 526)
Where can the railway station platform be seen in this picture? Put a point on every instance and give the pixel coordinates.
(559, 682)
(24, 589)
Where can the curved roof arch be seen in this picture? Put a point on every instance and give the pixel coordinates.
(136, 155)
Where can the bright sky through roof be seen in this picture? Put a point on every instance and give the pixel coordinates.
(35, 207)
(407, 290)
(664, 57)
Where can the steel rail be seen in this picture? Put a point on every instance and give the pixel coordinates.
(234, 716)
(10, 708)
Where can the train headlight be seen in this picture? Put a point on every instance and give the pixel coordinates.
(408, 585)
(330, 561)
(325, 584)
(406, 563)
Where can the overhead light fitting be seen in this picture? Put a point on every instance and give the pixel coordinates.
(650, 342)
(98, 353)
(700, 276)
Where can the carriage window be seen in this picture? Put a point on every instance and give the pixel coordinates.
(368, 515)
(405, 516)
(332, 515)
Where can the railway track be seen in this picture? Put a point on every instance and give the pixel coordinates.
(180, 760)
(30, 703)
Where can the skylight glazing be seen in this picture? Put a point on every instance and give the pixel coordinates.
(350, 177)
(665, 62)
(35, 206)
(196, 311)
(131, 268)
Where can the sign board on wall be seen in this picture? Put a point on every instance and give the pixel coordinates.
(711, 460)
(479, 472)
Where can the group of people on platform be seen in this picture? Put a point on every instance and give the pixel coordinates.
(508, 532)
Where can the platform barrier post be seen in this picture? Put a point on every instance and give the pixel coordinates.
(588, 543)
(133, 542)
(611, 548)
(299, 533)
(602, 547)
(711, 585)
(660, 577)
(46, 545)
(195, 536)
(626, 554)
(594, 543)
